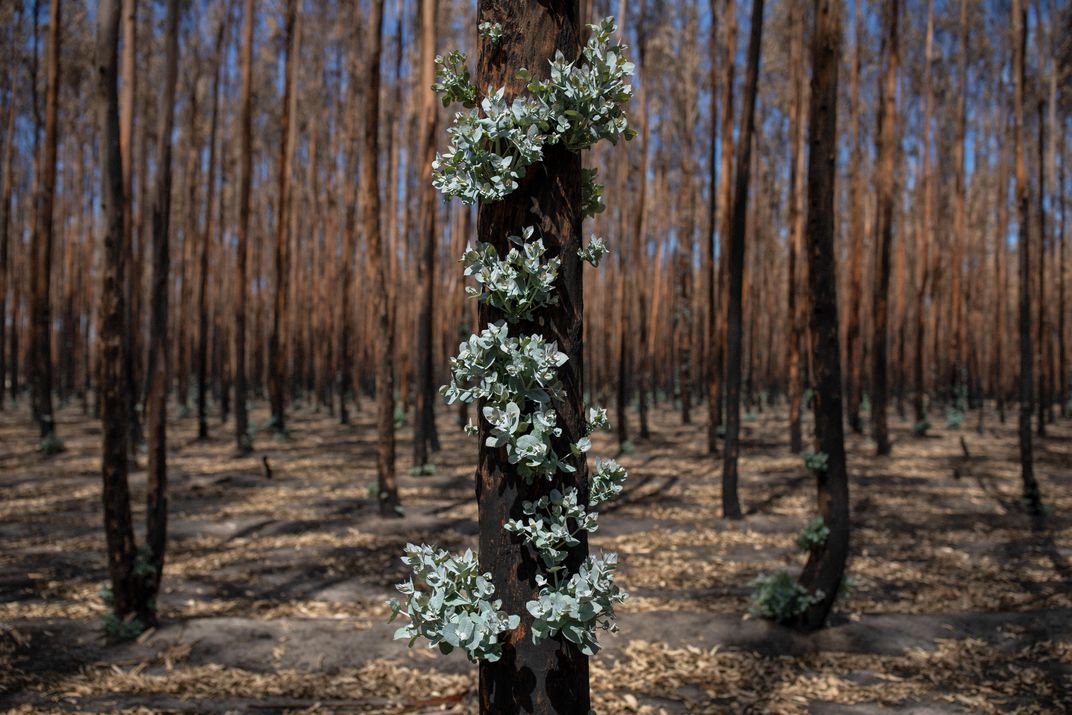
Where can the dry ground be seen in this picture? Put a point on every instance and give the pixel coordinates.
(274, 589)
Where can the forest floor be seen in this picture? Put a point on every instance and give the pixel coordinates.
(274, 589)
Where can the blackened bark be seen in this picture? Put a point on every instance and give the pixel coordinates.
(425, 435)
(206, 239)
(1041, 342)
(384, 347)
(826, 562)
(711, 327)
(923, 238)
(118, 526)
(718, 347)
(853, 341)
(276, 342)
(156, 496)
(1032, 498)
(795, 304)
(5, 225)
(40, 371)
(242, 438)
(642, 364)
(731, 506)
(552, 676)
(885, 138)
(126, 149)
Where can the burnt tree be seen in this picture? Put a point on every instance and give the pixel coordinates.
(384, 343)
(826, 561)
(126, 588)
(40, 367)
(885, 151)
(731, 506)
(277, 362)
(245, 178)
(425, 435)
(1031, 496)
(551, 676)
(156, 408)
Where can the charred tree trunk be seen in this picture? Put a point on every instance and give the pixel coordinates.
(277, 361)
(425, 435)
(923, 240)
(5, 233)
(641, 362)
(206, 241)
(731, 506)
(1064, 395)
(243, 442)
(711, 272)
(1041, 342)
(853, 341)
(826, 561)
(552, 676)
(795, 307)
(958, 369)
(156, 497)
(344, 366)
(40, 371)
(1031, 496)
(718, 348)
(885, 150)
(127, 600)
(126, 148)
(384, 343)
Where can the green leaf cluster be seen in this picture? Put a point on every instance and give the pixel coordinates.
(492, 145)
(553, 525)
(607, 481)
(491, 30)
(814, 533)
(816, 461)
(779, 597)
(577, 608)
(518, 284)
(450, 603)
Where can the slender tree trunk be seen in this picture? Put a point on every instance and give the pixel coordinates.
(551, 677)
(622, 355)
(795, 311)
(206, 240)
(425, 435)
(179, 371)
(853, 342)
(1001, 268)
(5, 228)
(243, 443)
(156, 497)
(1064, 393)
(923, 239)
(641, 362)
(958, 376)
(344, 367)
(277, 361)
(1043, 396)
(826, 561)
(1031, 496)
(885, 150)
(713, 306)
(126, 149)
(127, 601)
(729, 19)
(41, 247)
(731, 506)
(384, 343)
